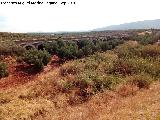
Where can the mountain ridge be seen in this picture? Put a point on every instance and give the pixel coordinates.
(146, 24)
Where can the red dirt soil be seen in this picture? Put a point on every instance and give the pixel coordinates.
(21, 73)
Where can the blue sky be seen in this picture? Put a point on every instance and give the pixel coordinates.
(2, 22)
(84, 15)
(2, 19)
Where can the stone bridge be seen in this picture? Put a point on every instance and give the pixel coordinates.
(39, 43)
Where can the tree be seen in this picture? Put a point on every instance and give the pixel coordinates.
(37, 58)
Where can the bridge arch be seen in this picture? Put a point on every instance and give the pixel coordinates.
(29, 46)
(40, 46)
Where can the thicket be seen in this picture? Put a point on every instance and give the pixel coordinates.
(71, 50)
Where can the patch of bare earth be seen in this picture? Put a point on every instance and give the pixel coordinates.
(21, 73)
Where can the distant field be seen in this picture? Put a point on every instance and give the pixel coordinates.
(30, 36)
(4, 36)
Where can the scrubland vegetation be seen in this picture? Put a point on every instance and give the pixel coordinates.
(136, 65)
(92, 75)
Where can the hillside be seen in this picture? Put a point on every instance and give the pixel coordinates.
(119, 84)
(147, 24)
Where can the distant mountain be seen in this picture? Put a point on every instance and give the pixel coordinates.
(146, 24)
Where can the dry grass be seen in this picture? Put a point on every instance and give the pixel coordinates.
(145, 105)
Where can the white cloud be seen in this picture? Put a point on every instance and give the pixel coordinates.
(85, 15)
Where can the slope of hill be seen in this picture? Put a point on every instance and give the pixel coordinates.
(147, 24)
(119, 84)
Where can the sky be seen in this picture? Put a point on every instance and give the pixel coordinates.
(82, 16)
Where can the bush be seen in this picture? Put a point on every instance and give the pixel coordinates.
(127, 50)
(122, 67)
(87, 50)
(105, 46)
(84, 43)
(106, 82)
(37, 58)
(144, 39)
(69, 51)
(71, 68)
(52, 47)
(87, 47)
(3, 70)
(144, 65)
(61, 43)
(97, 82)
(150, 51)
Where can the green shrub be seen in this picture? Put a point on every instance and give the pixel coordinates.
(100, 83)
(87, 50)
(80, 53)
(71, 68)
(61, 43)
(3, 70)
(107, 57)
(52, 47)
(144, 65)
(127, 50)
(105, 46)
(144, 39)
(87, 47)
(122, 67)
(97, 81)
(37, 58)
(83, 43)
(97, 46)
(69, 51)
